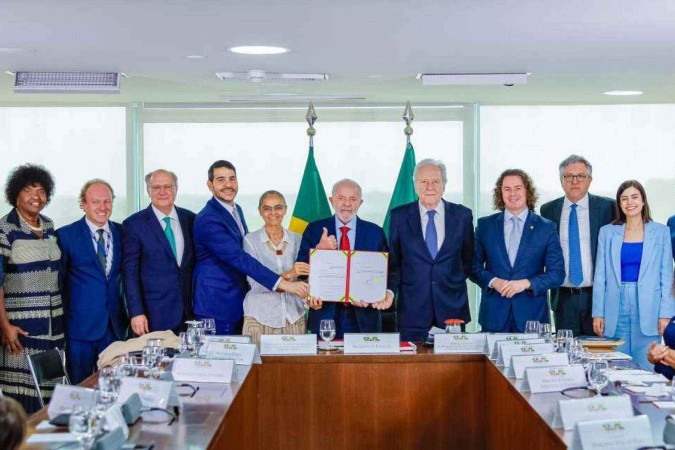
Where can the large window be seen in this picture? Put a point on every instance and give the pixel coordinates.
(621, 142)
(272, 155)
(75, 145)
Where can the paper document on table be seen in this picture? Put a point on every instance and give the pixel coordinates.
(341, 276)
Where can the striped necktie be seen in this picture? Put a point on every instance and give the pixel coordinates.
(100, 249)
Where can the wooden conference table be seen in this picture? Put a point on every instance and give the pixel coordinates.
(336, 401)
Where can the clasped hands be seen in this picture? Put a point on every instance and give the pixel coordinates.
(509, 288)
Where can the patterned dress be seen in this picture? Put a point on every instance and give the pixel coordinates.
(29, 269)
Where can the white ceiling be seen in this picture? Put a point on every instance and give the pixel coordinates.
(575, 49)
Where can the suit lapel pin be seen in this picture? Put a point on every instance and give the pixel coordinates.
(531, 227)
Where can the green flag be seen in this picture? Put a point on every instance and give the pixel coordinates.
(404, 191)
(311, 203)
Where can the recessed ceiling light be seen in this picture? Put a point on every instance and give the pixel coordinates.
(258, 50)
(623, 93)
(196, 57)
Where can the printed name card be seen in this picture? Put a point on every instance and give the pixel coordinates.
(553, 379)
(369, 343)
(243, 354)
(115, 419)
(288, 344)
(202, 370)
(499, 344)
(521, 362)
(613, 434)
(460, 343)
(65, 398)
(492, 338)
(506, 352)
(569, 412)
(229, 339)
(153, 393)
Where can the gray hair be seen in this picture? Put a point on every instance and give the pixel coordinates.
(573, 159)
(352, 183)
(271, 193)
(432, 162)
(149, 176)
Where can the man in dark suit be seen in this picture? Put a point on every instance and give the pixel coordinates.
(517, 258)
(353, 233)
(222, 264)
(159, 259)
(578, 232)
(431, 247)
(91, 281)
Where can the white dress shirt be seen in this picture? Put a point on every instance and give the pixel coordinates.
(351, 234)
(107, 240)
(583, 218)
(175, 227)
(439, 221)
(269, 307)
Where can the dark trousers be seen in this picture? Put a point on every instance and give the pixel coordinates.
(574, 312)
(226, 327)
(345, 320)
(510, 326)
(81, 356)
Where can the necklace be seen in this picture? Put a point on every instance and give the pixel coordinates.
(39, 229)
(277, 251)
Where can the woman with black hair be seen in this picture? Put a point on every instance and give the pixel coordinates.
(31, 313)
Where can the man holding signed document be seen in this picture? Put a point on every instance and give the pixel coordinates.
(356, 311)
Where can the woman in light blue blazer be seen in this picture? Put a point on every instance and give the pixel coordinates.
(632, 296)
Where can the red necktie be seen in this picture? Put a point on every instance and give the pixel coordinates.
(344, 239)
(344, 245)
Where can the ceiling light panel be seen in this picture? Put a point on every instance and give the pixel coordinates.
(258, 50)
(465, 79)
(67, 82)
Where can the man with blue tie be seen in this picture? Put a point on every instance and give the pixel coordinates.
(578, 217)
(430, 252)
(91, 281)
(222, 264)
(517, 258)
(159, 259)
(353, 233)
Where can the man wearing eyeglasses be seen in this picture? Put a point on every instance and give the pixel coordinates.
(578, 216)
(430, 256)
(159, 259)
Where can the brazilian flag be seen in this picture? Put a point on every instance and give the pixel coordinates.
(404, 191)
(311, 203)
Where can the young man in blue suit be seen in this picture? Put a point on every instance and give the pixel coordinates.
(158, 259)
(352, 233)
(91, 281)
(578, 217)
(517, 258)
(431, 247)
(222, 264)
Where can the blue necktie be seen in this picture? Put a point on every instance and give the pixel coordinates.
(576, 271)
(169, 235)
(431, 236)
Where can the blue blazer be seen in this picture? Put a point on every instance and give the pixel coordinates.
(90, 299)
(154, 283)
(425, 287)
(222, 265)
(655, 280)
(539, 260)
(369, 237)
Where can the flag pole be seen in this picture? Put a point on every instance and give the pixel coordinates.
(408, 116)
(311, 117)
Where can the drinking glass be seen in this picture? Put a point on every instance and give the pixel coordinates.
(85, 425)
(545, 331)
(532, 326)
(327, 331)
(126, 366)
(597, 376)
(209, 326)
(109, 383)
(561, 338)
(187, 342)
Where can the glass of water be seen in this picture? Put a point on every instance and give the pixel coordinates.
(209, 326)
(327, 332)
(597, 375)
(561, 338)
(109, 383)
(545, 331)
(126, 366)
(85, 425)
(532, 326)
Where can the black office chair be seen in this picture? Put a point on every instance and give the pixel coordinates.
(47, 366)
